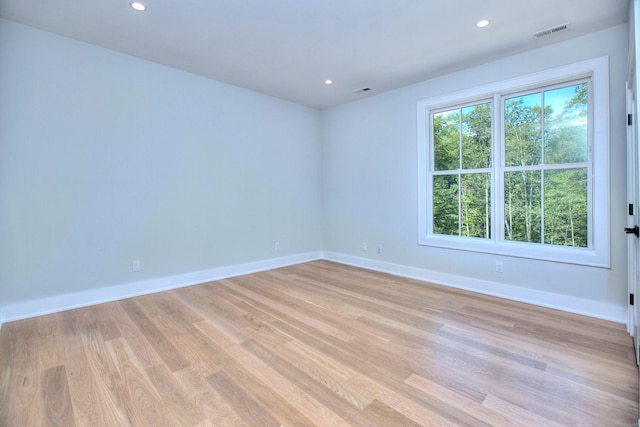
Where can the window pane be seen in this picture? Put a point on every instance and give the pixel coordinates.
(445, 205)
(476, 136)
(566, 124)
(446, 140)
(522, 204)
(475, 203)
(565, 207)
(523, 130)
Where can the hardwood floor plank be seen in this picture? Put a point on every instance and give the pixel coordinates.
(517, 415)
(320, 344)
(263, 393)
(247, 320)
(88, 406)
(244, 404)
(328, 372)
(144, 352)
(7, 349)
(451, 397)
(191, 344)
(52, 347)
(245, 291)
(162, 346)
(215, 408)
(171, 307)
(203, 308)
(315, 389)
(56, 398)
(146, 409)
(109, 384)
(174, 397)
(69, 333)
(222, 340)
(575, 364)
(25, 379)
(387, 415)
(95, 319)
(410, 408)
(301, 401)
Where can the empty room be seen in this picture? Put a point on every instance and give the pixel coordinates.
(304, 213)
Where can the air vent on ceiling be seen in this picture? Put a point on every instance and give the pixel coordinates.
(363, 90)
(551, 31)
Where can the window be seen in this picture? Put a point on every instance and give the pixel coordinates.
(461, 175)
(519, 167)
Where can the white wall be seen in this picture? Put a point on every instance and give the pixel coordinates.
(370, 188)
(106, 158)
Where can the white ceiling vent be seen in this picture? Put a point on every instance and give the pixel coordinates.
(554, 30)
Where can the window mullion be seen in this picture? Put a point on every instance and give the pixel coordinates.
(542, 164)
(497, 197)
(460, 172)
(459, 204)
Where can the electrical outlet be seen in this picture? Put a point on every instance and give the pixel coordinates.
(379, 249)
(136, 265)
(277, 246)
(364, 247)
(499, 267)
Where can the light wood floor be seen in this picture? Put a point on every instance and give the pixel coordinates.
(316, 344)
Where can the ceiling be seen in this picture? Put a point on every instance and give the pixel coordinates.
(288, 48)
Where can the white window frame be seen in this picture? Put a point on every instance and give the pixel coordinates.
(598, 252)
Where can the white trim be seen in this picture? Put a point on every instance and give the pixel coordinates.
(567, 303)
(599, 254)
(32, 308)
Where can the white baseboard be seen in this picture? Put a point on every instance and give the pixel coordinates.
(568, 303)
(32, 308)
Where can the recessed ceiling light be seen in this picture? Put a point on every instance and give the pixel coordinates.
(482, 23)
(328, 82)
(138, 6)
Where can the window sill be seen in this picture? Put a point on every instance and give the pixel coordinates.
(552, 253)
